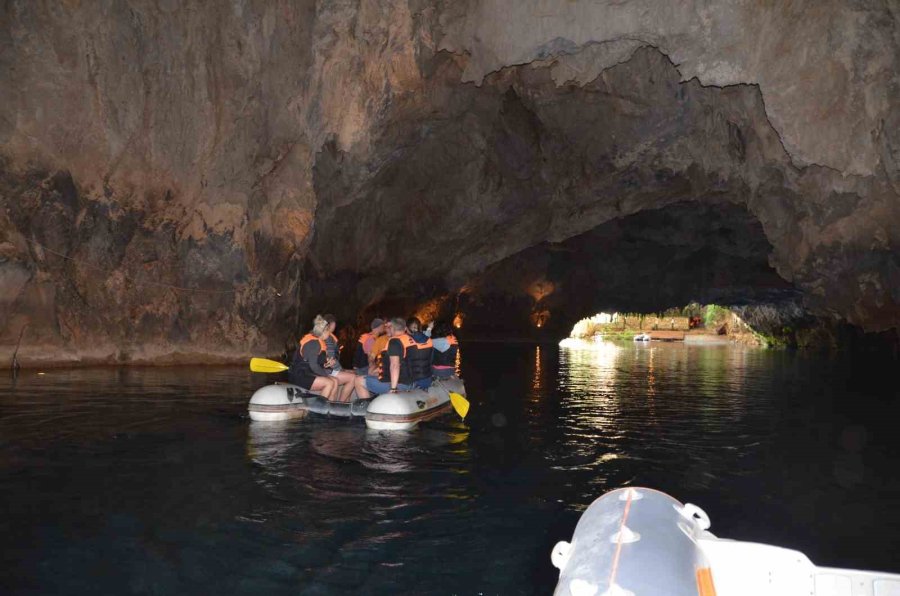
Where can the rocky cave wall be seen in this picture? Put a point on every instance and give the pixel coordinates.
(192, 182)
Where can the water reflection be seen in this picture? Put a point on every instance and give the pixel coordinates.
(325, 455)
(650, 406)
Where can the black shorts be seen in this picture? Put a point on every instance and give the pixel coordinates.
(302, 380)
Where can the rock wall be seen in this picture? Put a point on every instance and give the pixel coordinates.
(190, 182)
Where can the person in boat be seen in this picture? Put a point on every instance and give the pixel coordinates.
(420, 358)
(394, 374)
(378, 348)
(345, 378)
(364, 346)
(414, 328)
(308, 364)
(445, 348)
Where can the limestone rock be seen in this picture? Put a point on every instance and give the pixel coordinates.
(184, 181)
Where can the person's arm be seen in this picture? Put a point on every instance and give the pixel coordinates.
(395, 372)
(311, 355)
(373, 358)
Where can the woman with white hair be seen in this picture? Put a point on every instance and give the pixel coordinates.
(308, 365)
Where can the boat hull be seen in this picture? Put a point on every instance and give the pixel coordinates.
(640, 541)
(405, 409)
(284, 401)
(391, 411)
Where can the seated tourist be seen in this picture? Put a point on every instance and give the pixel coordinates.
(378, 348)
(445, 348)
(394, 372)
(364, 347)
(345, 378)
(419, 355)
(308, 364)
(414, 329)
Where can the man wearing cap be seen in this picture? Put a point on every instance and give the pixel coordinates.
(362, 359)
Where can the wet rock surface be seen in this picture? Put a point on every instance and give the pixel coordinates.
(190, 183)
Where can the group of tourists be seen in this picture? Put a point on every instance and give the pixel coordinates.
(396, 355)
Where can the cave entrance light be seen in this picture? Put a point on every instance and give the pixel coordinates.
(693, 321)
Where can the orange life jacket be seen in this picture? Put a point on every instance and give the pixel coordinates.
(299, 366)
(310, 337)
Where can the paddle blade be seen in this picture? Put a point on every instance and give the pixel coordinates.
(460, 404)
(262, 365)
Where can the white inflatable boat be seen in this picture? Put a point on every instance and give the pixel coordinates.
(641, 542)
(642, 337)
(390, 411)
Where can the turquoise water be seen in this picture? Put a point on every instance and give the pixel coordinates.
(154, 481)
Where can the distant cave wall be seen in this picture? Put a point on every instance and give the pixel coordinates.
(647, 262)
(212, 176)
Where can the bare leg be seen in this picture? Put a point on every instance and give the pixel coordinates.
(361, 390)
(323, 386)
(334, 388)
(347, 381)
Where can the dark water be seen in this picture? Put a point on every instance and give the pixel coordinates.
(149, 481)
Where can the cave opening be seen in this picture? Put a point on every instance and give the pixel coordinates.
(686, 253)
(693, 323)
(517, 207)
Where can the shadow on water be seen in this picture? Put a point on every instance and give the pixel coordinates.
(154, 481)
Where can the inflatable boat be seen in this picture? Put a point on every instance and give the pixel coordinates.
(641, 542)
(642, 337)
(390, 411)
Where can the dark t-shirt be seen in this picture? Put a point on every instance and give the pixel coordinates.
(395, 347)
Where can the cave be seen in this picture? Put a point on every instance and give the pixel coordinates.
(194, 185)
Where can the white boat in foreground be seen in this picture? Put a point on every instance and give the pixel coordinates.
(390, 411)
(641, 542)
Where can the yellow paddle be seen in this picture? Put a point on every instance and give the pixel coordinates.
(266, 366)
(460, 404)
